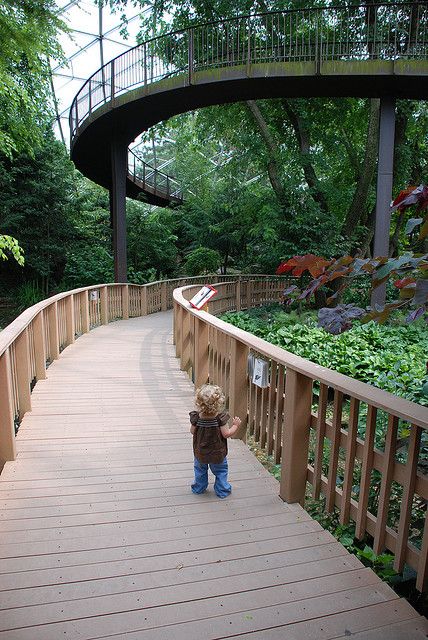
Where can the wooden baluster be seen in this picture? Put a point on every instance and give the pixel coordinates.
(422, 578)
(39, 346)
(319, 440)
(271, 407)
(104, 305)
(238, 397)
(69, 319)
(7, 424)
(201, 352)
(334, 452)
(125, 301)
(84, 305)
(351, 447)
(407, 498)
(22, 358)
(257, 413)
(277, 445)
(53, 331)
(385, 487)
(238, 294)
(295, 437)
(164, 297)
(366, 470)
(264, 418)
(249, 294)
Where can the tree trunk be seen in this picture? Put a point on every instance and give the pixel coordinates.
(357, 209)
(271, 147)
(302, 136)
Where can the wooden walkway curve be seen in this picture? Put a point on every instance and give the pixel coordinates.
(102, 538)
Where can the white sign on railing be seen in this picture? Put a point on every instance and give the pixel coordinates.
(202, 297)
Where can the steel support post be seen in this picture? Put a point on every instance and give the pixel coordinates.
(384, 187)
(119, 156)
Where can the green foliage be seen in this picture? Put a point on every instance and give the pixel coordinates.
(201, 260)
(389, 357)
(36, 200)
(27, 294)
(9, 244)
(28, 36)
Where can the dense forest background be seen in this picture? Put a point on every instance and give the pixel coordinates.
(263, 180)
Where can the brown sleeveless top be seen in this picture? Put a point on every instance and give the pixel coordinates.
(209, 446)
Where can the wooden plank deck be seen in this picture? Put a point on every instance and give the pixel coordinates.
(102, 538)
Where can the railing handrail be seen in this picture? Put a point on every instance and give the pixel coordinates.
(157, 186)
(402, 408)
(17, 326)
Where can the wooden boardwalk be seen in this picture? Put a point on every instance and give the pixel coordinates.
(102, 538)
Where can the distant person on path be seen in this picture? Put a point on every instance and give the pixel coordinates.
(210, 432)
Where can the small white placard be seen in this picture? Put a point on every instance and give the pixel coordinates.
(202, 297)
(261, 373)
(94, 295)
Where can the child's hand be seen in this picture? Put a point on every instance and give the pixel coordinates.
(236, 421)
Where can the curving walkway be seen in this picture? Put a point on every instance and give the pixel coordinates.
(101, 537)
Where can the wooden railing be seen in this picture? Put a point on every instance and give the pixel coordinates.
(36, 338)
(324, 428)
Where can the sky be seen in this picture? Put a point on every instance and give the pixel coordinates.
(82, 49)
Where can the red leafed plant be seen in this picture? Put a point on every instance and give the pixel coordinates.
(408, 271)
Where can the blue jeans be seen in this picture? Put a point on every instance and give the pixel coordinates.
(221, 485)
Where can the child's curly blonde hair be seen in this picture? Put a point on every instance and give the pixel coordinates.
(210, 399)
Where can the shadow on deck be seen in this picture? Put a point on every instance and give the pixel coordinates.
(101, 536)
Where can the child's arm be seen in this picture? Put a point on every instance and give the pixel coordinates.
(193, 415)
(227, 431)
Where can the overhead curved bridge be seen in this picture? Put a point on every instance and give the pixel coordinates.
(376, 51)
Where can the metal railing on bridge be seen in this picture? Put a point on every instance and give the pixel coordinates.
(152, 180)
(355, 32)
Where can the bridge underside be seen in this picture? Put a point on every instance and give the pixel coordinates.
(101, 536)
(99, 149)
(139, 109)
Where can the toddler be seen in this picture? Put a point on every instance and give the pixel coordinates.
(210, 432)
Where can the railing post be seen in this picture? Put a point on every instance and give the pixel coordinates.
(238, 401)
(178, 327)
(200, 361)
(295, 437)
(69, 319)
(53, 331)
(39, 346)
(164, 297)
(7, 424)
(89, 96)
(22, 361)
(85, 311)
(104, 305)
(185, 340)
(125, 301)
(191, 52)
(144, 310)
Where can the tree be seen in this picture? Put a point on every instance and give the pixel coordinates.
(409, 273)
(28, 36)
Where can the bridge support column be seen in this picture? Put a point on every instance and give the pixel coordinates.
(384, 187)
(119, 153)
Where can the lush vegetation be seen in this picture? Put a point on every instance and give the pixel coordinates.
(391, 357)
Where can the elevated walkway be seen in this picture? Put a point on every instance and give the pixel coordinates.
(102, 538)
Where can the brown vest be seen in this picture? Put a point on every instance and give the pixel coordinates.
(209, 446)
